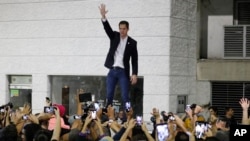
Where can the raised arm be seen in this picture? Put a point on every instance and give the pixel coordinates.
(109, 31)
(145, 130)
(57, 130)
(103, 10)
(244, 102)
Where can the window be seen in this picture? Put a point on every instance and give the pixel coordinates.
(20, 89)
(237, 41)
(228, 94)
(241, 12)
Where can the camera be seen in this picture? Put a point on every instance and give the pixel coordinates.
(201, 128)
(188, 107)
(49, 109)
(25, 117)
(6, 105)
(171, 117)
(138, 120)
(93, 114)
(85, 97)
(96, 106)
(77, 117)
(162, 132)
(128, 106)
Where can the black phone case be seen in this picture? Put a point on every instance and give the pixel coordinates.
(85, 97)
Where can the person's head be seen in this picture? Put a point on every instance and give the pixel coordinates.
(196, 108)
(181, 136)
(9, 133)
(121, 114)
(229, 111)
(123, 28)
(29, 131)
(138, 137)
(61, 108)
(222, 135)
(213, 110)
(43, 135)
(221, 123)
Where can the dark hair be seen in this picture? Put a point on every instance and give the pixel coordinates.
(211, 139)
(215, 109)
(10, 133)
(124, 22)
(181, 136)
(43, 135)
(30, 131)
(139, 137)
(227, 109)
(193, 106)
(221, 119)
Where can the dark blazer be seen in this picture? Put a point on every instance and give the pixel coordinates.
(130, 50)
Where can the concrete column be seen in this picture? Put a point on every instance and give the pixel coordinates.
(40, 90)
(4, 90)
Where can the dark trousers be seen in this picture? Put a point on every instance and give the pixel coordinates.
(114, 77)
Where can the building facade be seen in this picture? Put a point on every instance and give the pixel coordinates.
(48, 46)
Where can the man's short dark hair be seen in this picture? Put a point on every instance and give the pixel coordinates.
(124, 22)
(10, 133)
(30, 130)
(43, 135)
(215, 109)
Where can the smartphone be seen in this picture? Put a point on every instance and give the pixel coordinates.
(96, 106)
(25, 117)
(76, 117)
(49, 109)
(93, 114)
(138, 120)
(201, 128)
(128, 106)
(162, 132)
(188, 107)
(172, 118)
(85, 97)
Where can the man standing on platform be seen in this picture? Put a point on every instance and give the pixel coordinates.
(122, 48)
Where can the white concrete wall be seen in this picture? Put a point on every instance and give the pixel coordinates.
(215, 39)
(65, 37)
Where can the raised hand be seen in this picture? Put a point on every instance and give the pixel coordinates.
(103, 10)
(244, 102)
(26, 109)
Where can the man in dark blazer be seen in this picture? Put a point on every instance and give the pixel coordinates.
(122, 48)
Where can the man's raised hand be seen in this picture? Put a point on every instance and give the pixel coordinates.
(103, 10)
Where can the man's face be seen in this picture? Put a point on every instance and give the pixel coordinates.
(120, 115)
(123, 30)
(231, 111)
(212, 112)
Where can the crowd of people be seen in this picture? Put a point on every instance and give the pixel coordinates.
(93, 123)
